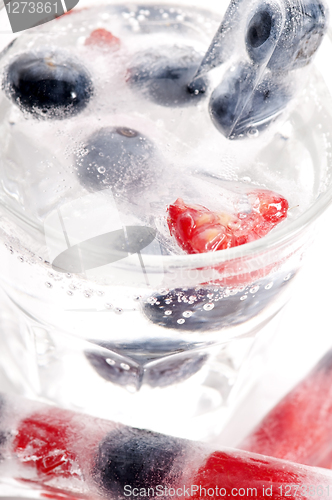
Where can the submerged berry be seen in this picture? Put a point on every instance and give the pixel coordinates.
(42, 442)
(48, 85)
(139, 458)
(119, 158)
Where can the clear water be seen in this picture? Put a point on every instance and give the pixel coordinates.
(113, 338)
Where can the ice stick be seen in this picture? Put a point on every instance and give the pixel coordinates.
(62, 454)
(299, 428)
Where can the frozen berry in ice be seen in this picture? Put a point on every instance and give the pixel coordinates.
(48, 85)
(263, 31)
(138, 459)
(165, 76)
(113, 369)
(120, 158)
(102, 38)
(299, 427)
(41, 442)
(290, 44)
(198, 229)
(241, 107)
(157, 363)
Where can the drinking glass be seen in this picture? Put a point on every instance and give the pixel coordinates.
(97, 314)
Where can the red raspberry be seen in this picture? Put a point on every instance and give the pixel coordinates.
(103, 38)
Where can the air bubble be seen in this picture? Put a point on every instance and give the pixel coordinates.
(254, 289)
(208, 307)
(110, 361)
(286, 278)
(168, 313)
(101, 170)
(87, 294)
(118, 310)
(181, 321)
(49, 285)
(108, 306)
(125, 366)
(69, 293)
(269, 285)
(187, 314)
(244, 297)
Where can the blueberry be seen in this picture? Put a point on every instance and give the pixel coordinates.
(239, 106)
(48, 85)
(301, 33)
(173, 361)
(211, 307)
(164, 76)
(119, 158)
(139, 459)
(325, 363)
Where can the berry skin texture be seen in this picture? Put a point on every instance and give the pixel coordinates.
(48, 86)
(104, 39)
(198, 230)
(139, 458)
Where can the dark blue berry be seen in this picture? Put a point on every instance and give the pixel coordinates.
(48, 85)
(210, 307)
(239, 106)
(119, 158)
(325, 363)
(173, 361)
(289, 44)
(139, 459)
(165, 76)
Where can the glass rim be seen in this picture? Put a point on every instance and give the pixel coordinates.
(287, 231)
